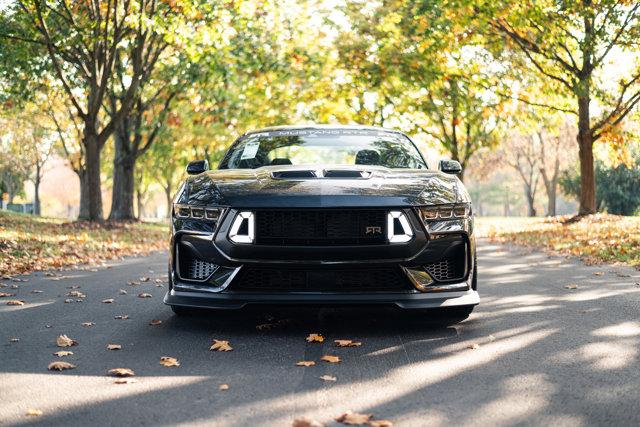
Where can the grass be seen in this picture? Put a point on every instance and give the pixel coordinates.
(594, 238)
(29, 243)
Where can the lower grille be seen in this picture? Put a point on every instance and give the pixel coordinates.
(253, 279)
(447, 269)
(200, 270)
(320, 227)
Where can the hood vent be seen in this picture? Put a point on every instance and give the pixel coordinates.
(346, 173)
(294, 174)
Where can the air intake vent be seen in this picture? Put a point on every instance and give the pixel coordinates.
(293, 174)
(200, 270)
(345, 173)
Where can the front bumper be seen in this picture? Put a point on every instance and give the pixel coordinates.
(319, 262)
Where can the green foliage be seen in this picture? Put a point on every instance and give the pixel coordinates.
(617, 189)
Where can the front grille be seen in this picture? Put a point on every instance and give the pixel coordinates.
(447, 269)
(320, 227)
(258, 279)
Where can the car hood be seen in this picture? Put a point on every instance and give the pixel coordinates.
(273, 186)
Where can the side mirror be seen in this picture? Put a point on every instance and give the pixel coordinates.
(197, 166)
(450, 166)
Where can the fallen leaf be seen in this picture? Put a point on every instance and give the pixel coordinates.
(60, 366)
(121, 317)
(63, 353)
(68, 301)
(108, 301)
(73, 287)
(121, 372)
(36, 291)
(598, 273)
(330, 359)
(6, 294)
(87, 324)
(169, 361)
(15, 302)
(144, 279)
(220, 345)
(305, 363)
(65, 341)
(125, 380)
(122, 292)
(144, 295)
(474, 346)
(306, 422)
(159, 281)
(15, 287)
(572, 286)
(223, 387)
(155, 322)
(76, 294)
(133, 283)
(114, 347)
(347, 343)
(14, 340)
(380, 423)
(328, 378)
(33, 412)
(315, 338)
(353, 418)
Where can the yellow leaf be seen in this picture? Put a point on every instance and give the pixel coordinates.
(169, 361)
(305, 363)
(315, 338)
(330, 359)
(223, 387)
(347, 343)
(220, 345)
(33, 412)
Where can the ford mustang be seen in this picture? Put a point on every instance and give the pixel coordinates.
(323, 215)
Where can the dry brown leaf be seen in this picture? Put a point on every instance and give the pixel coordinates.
(125, 381)
(220, 345)
(169, 361)
(121, 317)
(315, 338)
(65, 341)
(6, 294)
(380, 423)
(598, 273)
(114, 347)
(305, 363)
(306, 422)
(108, 301)
(572, 286)
(121, 372)
(33, 412)
(144, 295)
(223, 387)
(473, 346)
(15, 302)
(87, 324)
(76, 294)
(328, 378)
(347, 343)
(63, 353)
(155, 322)
(60, 366)
(353, 418)
(330, 359)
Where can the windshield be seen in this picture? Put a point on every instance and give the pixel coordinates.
(323, 147)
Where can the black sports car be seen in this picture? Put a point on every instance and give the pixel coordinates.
(323, 215)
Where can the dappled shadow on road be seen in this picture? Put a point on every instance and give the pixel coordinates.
(546, 353)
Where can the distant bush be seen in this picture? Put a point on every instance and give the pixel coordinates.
(617, 189)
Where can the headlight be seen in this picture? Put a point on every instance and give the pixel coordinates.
(197, 212)
(454, 211)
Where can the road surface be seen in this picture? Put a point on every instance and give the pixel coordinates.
(544, 354)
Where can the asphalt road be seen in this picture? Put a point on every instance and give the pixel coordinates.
(547, 355)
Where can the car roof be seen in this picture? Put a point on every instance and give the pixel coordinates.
(315, 126)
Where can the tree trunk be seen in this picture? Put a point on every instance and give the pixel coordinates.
(93, 193)
(123, 182)
(139, 200)
(587, 171)
(84, 200)
(36, 193)
(531, 209)
(167, 194)
(550, 187)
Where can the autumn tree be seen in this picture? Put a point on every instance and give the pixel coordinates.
(568, 44)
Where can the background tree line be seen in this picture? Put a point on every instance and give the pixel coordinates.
(150, 84)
